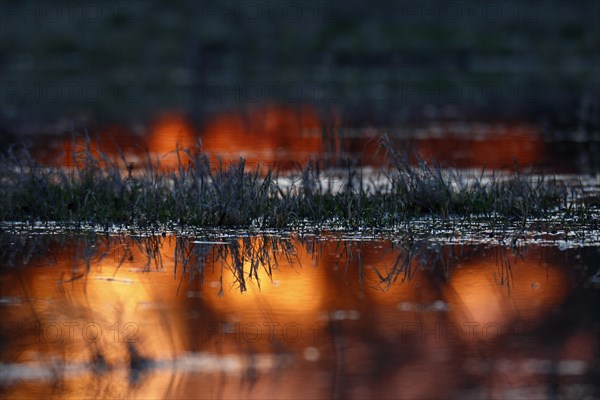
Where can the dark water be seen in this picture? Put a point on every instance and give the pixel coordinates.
(322, 316)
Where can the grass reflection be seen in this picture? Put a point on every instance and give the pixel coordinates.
(363, 314)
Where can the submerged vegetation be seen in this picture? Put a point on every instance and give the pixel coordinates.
(101, 191)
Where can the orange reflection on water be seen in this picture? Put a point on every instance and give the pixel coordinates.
(490, 146)
(272, 134)
(369, 280)
(288, 286)
(327, 303)
(389, 289)
(119, 303)
(490, 292)
(169, 132)
(75, 150)
(266, 135)
(280, 302)
(290, 136)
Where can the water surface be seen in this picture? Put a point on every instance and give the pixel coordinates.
(300, 316)
(288, 137)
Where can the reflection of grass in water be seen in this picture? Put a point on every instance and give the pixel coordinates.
(88, 253)
(103, 191)
(243, 256)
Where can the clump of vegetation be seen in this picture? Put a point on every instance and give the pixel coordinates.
(99, 190)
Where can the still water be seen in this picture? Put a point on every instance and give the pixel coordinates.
(294, 316)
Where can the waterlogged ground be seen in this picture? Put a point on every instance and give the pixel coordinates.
(449, 305)
(465, 306)
(460, 306)
(313, 315)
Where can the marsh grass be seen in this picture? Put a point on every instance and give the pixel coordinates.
(102, 191)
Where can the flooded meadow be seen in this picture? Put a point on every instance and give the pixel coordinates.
(299, 200)
(280, 259)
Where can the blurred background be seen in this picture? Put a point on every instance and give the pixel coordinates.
(278, 80)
